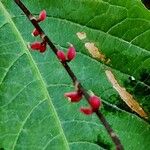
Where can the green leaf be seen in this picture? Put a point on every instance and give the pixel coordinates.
(33, 111)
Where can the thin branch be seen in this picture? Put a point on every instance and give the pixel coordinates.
(33, 20)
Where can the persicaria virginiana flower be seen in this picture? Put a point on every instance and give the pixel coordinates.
(38, 46)
(35, 32)
(71, 53)
(35, 45)
(86, 110)
(94, 102)
(61, 56)
(74, 96)
(42, 16)
(43, 47)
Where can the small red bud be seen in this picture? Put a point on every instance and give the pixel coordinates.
(61, 55)
(35, 32)
(95, 102)
(42, 15)
(71, 53)
(43, 48)
(35, 45)
(74, 96)
(38, 46)
(86, 111)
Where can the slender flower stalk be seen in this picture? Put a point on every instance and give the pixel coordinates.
(94, 106)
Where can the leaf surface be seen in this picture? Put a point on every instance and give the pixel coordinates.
(33, 111)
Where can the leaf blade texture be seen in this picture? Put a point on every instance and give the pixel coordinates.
(33, 112)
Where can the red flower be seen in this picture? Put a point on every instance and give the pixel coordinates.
(74, 96)
(38, 46)
(35, 32)
(86, 111)
(43, 47)
(71, 53)
(42, 16)
(61, 56)
(35, 45)
(95, 102)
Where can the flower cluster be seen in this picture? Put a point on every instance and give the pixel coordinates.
(74, 96)
(42, 17)
(39, 46)
(94, 101)
(71, 53)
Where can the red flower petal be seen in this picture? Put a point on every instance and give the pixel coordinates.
(42, 15)
(73, 96)
(95, 102)
(61, 56)
(35, 45)
(71, 53)
(35, 32)
(86, 111)
(43, 48)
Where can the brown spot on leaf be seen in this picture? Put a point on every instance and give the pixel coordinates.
(81, 35)
(94, 51)
(125, 96)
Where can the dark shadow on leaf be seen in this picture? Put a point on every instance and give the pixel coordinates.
(146, 3)
(102, 143)
(145, 77)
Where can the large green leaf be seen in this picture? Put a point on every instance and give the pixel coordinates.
(33, 111)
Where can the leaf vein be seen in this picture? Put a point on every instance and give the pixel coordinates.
(11, 65)
(23, 123)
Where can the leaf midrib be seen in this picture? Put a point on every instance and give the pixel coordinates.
(38, 74)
